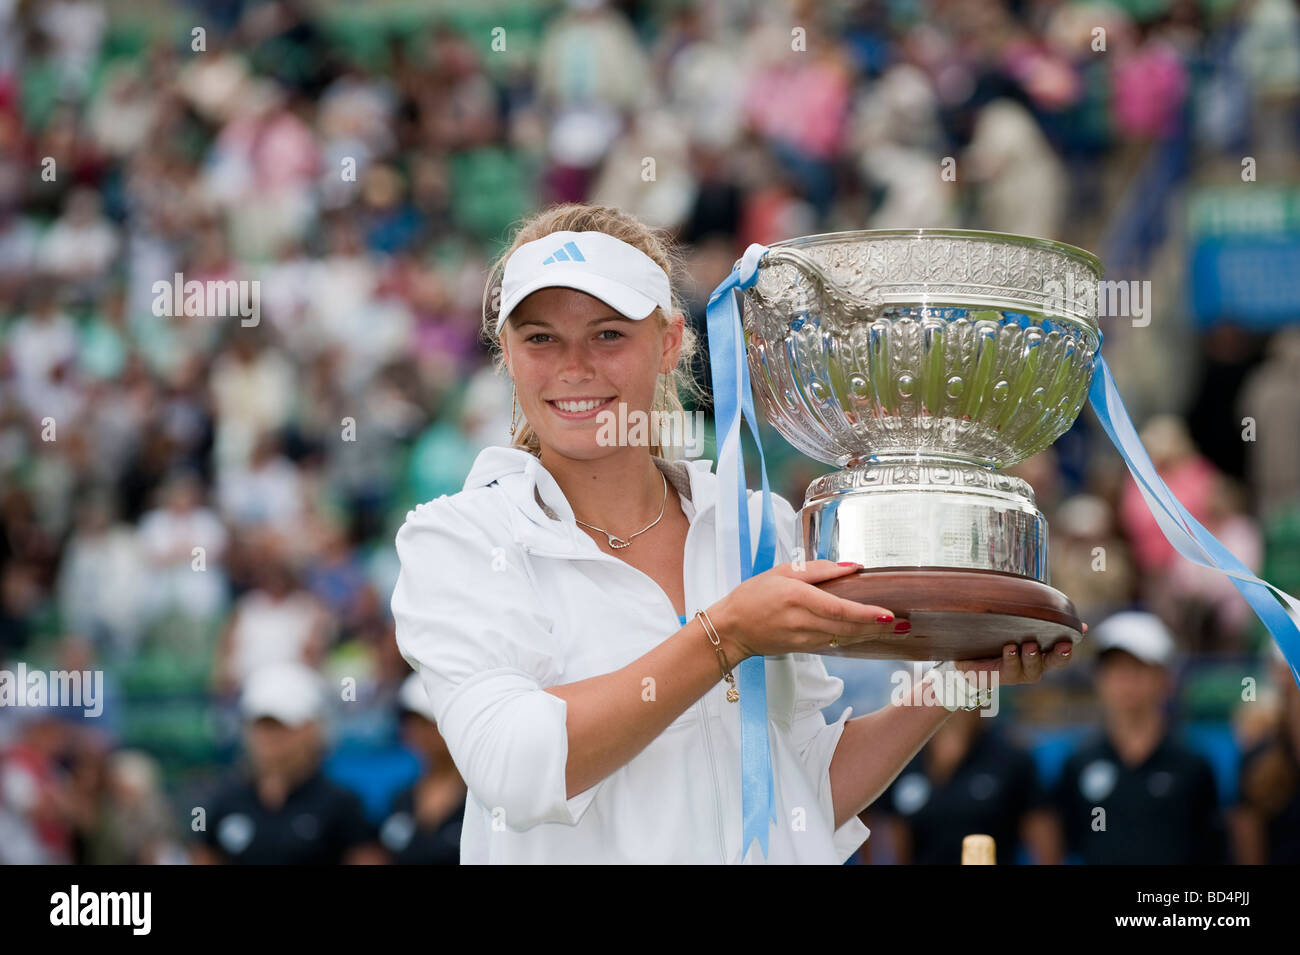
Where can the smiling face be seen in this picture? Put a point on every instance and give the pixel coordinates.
(573, 357)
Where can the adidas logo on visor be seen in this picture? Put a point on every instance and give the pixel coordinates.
(565, 253)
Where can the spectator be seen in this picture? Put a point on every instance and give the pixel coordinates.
(1207, 610)
(184, 544)
(75, 29)
(337, 578)
(122, 816)
(100, 577)
(266, 493)
(968, 778)
(799, 105)
(124, 111)
(1020, 180)
(138, 821)
(42, 347)
(276, 623)
(590, 69)
(900, 143)
(80, 247)
(1189, 476)
(1135, 795)
(1089, 561)
(423, 827)
(285, 811)
(19, 240)
(36, 800)
(252, 389)
(1266, 821)
(1269, 397)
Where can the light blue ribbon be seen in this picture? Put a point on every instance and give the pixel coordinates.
(1182, 530)
(733, 396)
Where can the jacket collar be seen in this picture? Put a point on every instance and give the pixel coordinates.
(540, 513)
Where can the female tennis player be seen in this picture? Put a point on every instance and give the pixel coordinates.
(564, 613)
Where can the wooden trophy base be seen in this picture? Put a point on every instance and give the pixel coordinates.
(956, 614)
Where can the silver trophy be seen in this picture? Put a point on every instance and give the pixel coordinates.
(919, 362)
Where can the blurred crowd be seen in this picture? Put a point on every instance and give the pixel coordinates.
(203, 506)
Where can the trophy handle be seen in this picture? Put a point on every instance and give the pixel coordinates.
(848, 302)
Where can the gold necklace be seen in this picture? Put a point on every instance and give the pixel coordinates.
(617, 542)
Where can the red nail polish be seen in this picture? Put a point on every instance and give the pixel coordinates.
(902, 626)
(848, 563)
(885, 618)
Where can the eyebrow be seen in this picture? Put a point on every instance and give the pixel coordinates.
(612, 317)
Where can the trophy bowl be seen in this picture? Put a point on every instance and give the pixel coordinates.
(920, 362)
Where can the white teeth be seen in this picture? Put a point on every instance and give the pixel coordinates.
(577, 407)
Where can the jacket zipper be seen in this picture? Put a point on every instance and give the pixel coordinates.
(713, 768)
(704, 711)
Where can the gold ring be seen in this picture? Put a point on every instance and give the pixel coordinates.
(835, 641)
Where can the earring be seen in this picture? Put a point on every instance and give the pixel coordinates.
(514, 411)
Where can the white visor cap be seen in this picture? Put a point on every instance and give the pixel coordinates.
(289, 692)
(1142, 634)
(620, 275)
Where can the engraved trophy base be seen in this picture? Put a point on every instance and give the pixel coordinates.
(956, 549)
(957, 614)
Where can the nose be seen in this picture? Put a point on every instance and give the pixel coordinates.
(575, 364)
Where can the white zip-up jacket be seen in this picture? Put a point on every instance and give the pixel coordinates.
(501, 594)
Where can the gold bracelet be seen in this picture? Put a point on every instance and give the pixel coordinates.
(712, 632)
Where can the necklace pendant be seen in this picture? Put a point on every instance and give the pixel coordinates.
(733, 695)
(617, 542)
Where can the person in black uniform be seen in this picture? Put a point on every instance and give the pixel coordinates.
(1267, 815)
(285, 812)
(969, 778)
(1135, 795)
(423, 826)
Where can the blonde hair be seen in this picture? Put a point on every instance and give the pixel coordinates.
(656, 243)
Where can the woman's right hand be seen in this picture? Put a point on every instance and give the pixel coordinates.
(782, 611)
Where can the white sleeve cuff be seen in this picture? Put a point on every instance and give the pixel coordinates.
(817, 757)
(509, 739)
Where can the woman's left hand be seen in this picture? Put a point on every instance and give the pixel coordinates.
(1025, 665)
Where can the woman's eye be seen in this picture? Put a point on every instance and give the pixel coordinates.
(542, 338)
